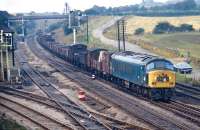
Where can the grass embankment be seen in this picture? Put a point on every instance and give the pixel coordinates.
(43, 24)
(6, 124)
(94, 22)
(167, 45)
(182, 78)
(148, 23)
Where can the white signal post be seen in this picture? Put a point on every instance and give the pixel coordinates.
(74, 33)
(72, 18)
(23, 32)
(1, 52)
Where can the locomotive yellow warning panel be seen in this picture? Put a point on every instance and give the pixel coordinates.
(161, 79)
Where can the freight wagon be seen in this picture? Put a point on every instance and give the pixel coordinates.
(148, 75)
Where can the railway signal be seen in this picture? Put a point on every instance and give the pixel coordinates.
(74, 22)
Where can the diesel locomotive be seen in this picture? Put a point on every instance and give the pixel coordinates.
(150, 75)
(145, 74)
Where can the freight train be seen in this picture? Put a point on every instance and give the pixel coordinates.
(148, 75)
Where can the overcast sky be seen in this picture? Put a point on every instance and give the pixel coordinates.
(13, 6)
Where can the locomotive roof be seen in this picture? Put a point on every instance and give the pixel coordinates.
(135, 57)
(96, 49)
(61, 45)
(78, 44)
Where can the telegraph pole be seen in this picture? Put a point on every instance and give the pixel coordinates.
(121, 34)
(118, 35)
(87, 29)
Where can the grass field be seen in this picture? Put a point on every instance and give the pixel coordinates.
(148, 23)
(183, 42)
(164, 44)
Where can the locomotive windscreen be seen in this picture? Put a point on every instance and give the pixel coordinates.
(160, 65)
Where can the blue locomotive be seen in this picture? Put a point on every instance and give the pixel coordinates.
(149, 75)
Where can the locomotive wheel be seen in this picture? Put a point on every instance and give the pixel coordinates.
(149, 93)
(142, 91)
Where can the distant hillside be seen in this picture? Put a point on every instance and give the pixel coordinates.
(151, 8)
(177, 1)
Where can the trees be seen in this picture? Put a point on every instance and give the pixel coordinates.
(66, 29)
(166, 27)
(185, 5)
(163, 27)
(186, 28)
(4, 18)
(55, 26)
(139, 31)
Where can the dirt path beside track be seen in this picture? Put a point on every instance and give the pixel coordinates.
(98, 33)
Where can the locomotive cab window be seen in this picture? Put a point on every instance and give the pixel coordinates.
(160, 65)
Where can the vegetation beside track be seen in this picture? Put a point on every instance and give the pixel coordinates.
(182, 78)
(94, 22)
(6, 124)
(168, 45)
(148, 23)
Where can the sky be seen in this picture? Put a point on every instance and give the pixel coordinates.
(13, 6)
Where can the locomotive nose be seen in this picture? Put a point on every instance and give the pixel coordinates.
(161, 79)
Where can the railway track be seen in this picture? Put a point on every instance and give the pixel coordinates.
(155, 119)
(42, 120)
(182, 111)
(112, 122)
(188, 90)
(78, 118)
(195, 88)
(86, 119)
(186, 111)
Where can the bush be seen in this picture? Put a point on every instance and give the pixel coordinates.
(186, 28)
(139, 31)
(10, 125)
(54, 26)
(67, 30)
(165, 27)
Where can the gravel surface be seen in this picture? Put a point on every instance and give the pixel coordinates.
(41, 108)
(160, 111)
(69, 88)
(19, 119)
